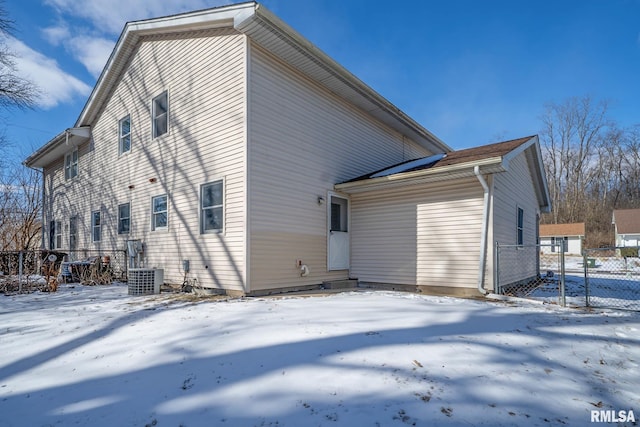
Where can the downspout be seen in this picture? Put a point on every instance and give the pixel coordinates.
(485, 230)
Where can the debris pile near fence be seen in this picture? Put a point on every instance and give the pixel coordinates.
(42, 270)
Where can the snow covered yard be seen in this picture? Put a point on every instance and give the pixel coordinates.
(96, 356)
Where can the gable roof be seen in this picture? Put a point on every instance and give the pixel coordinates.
(627, 221)
(556, 230)
(264, 29)
(487, 159)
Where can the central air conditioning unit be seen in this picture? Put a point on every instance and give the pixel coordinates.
(145, 281)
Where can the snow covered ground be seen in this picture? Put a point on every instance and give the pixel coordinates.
(96, 356)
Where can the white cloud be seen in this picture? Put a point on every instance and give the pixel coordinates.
(110, 17)
(92, 41)
(92, 52)
(56, 86)
(56, 35)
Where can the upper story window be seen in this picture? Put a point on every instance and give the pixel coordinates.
(159, 212)
(124, 135)
(212, 206)
(160, 114)
(71, 164)
(124, 218)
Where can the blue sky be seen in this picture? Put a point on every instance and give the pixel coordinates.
(472, 72)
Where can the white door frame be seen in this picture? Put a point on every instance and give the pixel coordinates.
(336, 239)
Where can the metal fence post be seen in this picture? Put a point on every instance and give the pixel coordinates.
(563, 295)
(586, 278)
(496, 273)
(20, 258)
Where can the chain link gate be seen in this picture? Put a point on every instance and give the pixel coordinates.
(611, 279)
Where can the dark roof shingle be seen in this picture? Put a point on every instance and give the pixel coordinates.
(627, 221)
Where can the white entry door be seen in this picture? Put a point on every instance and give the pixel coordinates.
(338, 237)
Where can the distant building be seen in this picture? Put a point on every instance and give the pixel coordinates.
(627, 227)
(572, 235)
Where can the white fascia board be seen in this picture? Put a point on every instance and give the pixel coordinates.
(203, 19)
(383, 110)
(533, 145)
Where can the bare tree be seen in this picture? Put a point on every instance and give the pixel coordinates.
(20, 210)
(19, 187)
(15, 91)
(573, 133)
(592, 166)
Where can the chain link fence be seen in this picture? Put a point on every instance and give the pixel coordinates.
(612, 280)
(43, 270)
(604, 277)
(531, 271)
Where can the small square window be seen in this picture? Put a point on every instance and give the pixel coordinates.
(159, 212)
(124, 135)
(160, 114)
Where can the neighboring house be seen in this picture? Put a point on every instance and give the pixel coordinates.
(627, 227)
(569, 235)
(224, 138)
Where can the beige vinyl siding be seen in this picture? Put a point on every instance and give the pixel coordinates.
(513, 189)
(302, 141)
(204, 74)
(64, 199)
(426, 235)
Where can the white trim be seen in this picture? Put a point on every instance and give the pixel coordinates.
(247, 177)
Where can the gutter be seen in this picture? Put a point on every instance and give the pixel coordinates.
(485, 231)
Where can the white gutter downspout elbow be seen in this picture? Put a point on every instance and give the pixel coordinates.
(485, 230)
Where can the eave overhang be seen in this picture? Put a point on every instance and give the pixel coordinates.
(61, 144)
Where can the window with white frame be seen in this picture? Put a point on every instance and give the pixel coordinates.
(71, 164)
(96, 226)
(124, 135)
(58, 234)
(159, 212)
(55, 235)
(124, 218)
(212, 207)
(520, 227)
(160, 114)
(73, 233)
